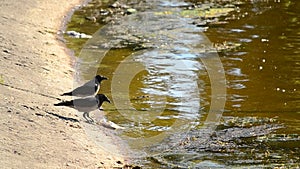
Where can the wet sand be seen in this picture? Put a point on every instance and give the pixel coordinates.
(35, 69)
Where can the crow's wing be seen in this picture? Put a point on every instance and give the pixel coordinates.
(88, 89)
(86, 104)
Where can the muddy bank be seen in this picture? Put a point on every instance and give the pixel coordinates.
(35, 70)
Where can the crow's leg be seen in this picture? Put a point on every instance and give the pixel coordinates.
(87, 117)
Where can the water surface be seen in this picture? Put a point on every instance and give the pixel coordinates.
(161, 85)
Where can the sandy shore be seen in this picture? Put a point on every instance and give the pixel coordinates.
(36, 68)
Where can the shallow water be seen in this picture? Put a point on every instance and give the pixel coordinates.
(166, 82)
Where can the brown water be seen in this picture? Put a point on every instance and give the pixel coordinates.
(169, 87)
(264, 72)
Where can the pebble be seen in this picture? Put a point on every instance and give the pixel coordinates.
(131, 11)
(16, 152)
(75, 34)
(6, 51)
(39, 114)
(30, 120)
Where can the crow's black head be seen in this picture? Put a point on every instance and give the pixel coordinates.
(100, 78)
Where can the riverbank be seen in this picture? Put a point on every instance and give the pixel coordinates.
(35, 69)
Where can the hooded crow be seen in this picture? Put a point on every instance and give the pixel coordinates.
(88, 89)
(86, 105)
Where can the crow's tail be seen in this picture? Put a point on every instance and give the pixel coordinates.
(65, 103)
(67, 94)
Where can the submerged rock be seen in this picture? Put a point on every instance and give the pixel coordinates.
(237, 143)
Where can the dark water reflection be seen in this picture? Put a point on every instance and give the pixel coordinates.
(262, 81)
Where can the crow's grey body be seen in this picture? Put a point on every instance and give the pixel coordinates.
(85, 105)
